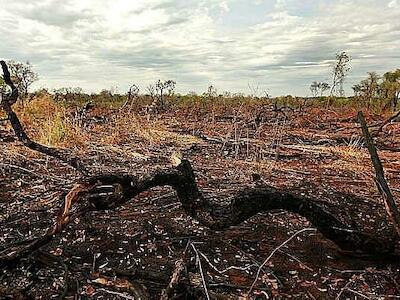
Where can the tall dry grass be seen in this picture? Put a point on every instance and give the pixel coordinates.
(50, 123)
(125, 128)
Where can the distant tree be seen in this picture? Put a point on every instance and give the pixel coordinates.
(226, 94)
(68, 94)
(254, 90)
(211, 93)
(159, 91)
(324, 87)
(23, 76)
(369, 88)
(318, 88)
(314, 88)
(390, 87)
(340, 70)
(104, 93)
(267, 95)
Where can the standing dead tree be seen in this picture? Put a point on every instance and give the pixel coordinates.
(6, 104)
(158, 93)
(132, 94)
(383, 187)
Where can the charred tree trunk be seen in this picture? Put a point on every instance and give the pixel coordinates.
(383, 187)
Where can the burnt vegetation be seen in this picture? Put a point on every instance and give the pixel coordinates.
(218, 196)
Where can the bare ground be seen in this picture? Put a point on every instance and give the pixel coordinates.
(114, 254)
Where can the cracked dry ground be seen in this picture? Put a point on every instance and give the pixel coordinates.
(112, 254)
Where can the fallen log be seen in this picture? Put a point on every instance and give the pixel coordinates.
(107, 192)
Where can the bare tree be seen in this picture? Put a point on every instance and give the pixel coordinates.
(6, 103)
(211, 93)
(314, 88)
(324, 86)
(340, 70)
(159, 91)
(254, 90)
(318, 88)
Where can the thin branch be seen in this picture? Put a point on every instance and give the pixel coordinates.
(122, 295)
(274, 251)
(180, 266)
(222, 272)
(384, 123)
(203, 280)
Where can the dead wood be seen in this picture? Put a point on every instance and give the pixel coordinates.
(384, 123)
(6, 104)
(107, 192)
(180, 266)
(383, 187)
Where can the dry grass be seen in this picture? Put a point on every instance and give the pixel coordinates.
(51, 124)
(128, 126)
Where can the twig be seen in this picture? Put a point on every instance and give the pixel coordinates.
(201, 271)
(303, 265)
(123, 295)
(31, 172)
(358, 293)
(274, 251)
(227, 269)
(346, 287)
(384, 123)
(180, 266)
(234, 286)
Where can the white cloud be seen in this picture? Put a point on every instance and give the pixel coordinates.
(98, 44)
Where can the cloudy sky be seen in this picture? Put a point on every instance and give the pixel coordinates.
(277, 45)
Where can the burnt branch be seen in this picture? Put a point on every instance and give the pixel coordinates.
(13, 96)
(383, 187)
(6, 105)
(108, 192)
